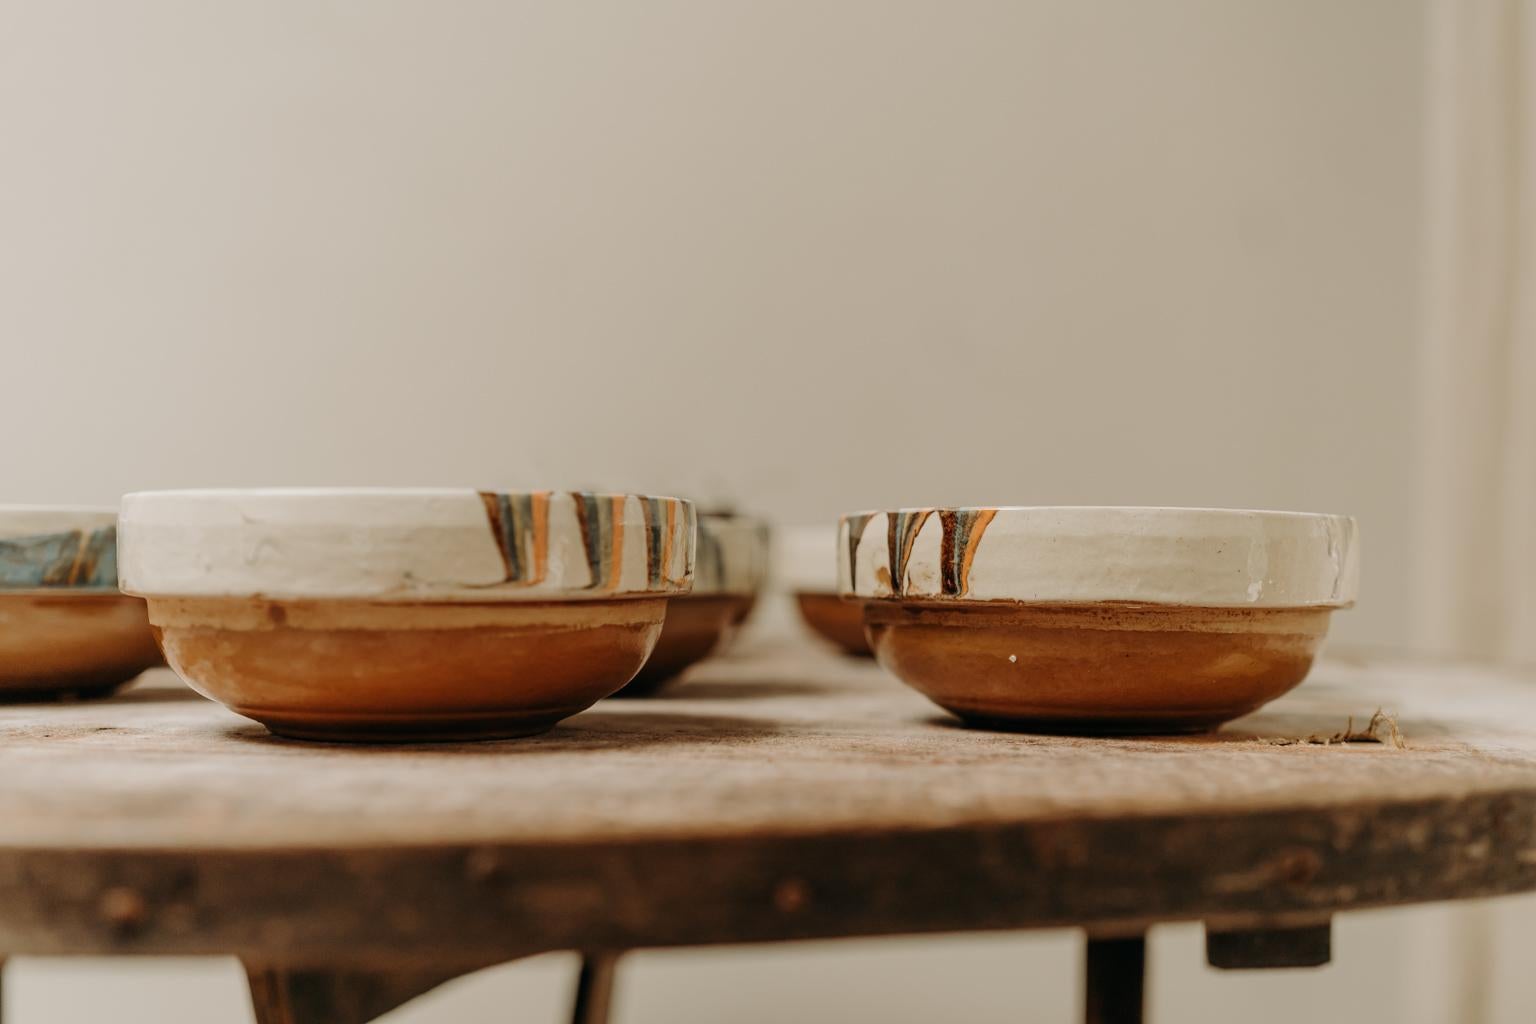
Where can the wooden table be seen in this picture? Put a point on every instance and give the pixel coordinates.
(784, 794)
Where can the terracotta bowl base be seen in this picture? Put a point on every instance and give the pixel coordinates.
(71, 645)
(835, 620)
(330, 727)
(357, 671)
(696, 626)
(1101, 668)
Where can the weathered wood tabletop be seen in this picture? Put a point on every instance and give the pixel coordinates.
(777, 794)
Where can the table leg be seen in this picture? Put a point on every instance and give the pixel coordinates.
(594, 988)
(285, 995)
(1297, 945)
(1114, 975)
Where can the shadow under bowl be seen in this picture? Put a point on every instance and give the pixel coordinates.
(71, 644)
(362, 671)
(1096, 668)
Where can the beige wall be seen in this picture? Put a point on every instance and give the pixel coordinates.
(809, 256)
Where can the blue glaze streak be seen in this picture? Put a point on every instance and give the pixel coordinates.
(75, 559)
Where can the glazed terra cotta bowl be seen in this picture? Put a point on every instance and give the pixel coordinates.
(806, 563)
(389, 615)
(65, 629)
(730, 569)
(1098, 619)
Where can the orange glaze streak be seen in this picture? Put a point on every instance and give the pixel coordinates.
(77, 567)
(972, 541)
(907, 541)
(540, 536)
(666, 543)
(616, 568)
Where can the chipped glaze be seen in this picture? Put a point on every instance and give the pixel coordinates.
(405, 545)
(1215, 558)
(51, 548)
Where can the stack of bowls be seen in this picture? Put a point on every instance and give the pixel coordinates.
(1098, 619)
(356, 614)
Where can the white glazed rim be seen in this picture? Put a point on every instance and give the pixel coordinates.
(1079, 554)
(106, 514)
(1128, 509)
(404, 493)
(75, 539)
(404, 544)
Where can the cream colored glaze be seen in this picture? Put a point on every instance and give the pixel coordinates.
(28, 520)
(399, 545)
(1201, 557)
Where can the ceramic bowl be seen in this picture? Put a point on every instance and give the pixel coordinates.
(64, 627)
(730, 569)
(1098, 619)
(394, 615)
(806, 563)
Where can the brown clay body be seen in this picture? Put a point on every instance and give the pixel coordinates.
(383, 672)
(696, 626)
(71, 644)
(1096, 668)
(836, 620)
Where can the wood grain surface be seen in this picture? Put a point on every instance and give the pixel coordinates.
(775, 794)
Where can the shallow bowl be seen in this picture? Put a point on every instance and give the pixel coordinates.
(806, 564)
(838, 621)
(65, 630)
(391, 615)
(730, 569)
(1098, 619)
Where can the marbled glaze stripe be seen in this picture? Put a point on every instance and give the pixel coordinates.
(616, 549)
(81, 559)
(856, 525)
(520, 524)
(660, 520)
(539, 501)
(666, 543)
(962, 530)
(901, 533)
(594, 517)
(690, 529)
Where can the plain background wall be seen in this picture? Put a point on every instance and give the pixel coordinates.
(804, 256)
(808, 256)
